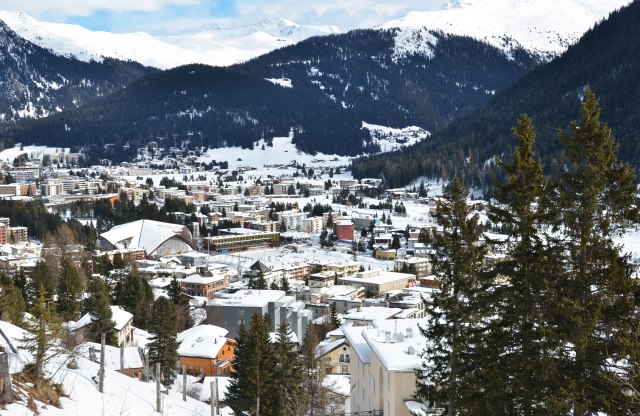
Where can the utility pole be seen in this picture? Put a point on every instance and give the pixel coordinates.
(214, 397)
(158, 390)
(184, 383)
(103, 337)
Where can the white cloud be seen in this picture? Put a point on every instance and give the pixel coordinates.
(351, 13)
(60, 9)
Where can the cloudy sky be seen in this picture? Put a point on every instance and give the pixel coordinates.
(167, 16)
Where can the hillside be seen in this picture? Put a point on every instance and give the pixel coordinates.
(606, 57)
(34, 82)
(323, 88)
(397, 78)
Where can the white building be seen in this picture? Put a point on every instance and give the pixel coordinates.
(156, 238)
(384, 357)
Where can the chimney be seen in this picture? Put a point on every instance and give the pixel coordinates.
(409, 331)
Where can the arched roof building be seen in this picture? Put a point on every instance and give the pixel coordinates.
(156, 238)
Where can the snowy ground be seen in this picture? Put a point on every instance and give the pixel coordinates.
(123, 396)
(33, 151)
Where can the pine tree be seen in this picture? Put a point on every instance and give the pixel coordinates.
(446, 378)
(284, 285)
(70, 288)
(174, 291)
(12, 306)
(163, 346)
(252, 379)
(118, 261)
(40, 276)
(98, 305)
(597, 317)
(135, 295)
(422, 191)
(237, 397)
(521, 372)
(334, 319)
(44, 329)
(289, 398)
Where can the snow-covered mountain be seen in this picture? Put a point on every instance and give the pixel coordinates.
(216, 46)
(543, 27)
(35, 82)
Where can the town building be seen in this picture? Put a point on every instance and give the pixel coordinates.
(205, 351)
(241, 239)
(229, 310)
(377, 282)
(344, 230)
(383, 360)
(156, 238)
(204, 286)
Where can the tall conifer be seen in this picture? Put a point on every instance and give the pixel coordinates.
(596, 198)
(445, 379)
(521, 340)
(163, 347)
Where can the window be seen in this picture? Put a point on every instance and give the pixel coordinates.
(345, 369)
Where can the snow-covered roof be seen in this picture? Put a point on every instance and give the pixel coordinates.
(201, 346)
(248, 298)
(119, 316)
(146, 234)
(202, 280)
(328, 346)
(202, 330)
(353, 334)
(397, 352)
(132, 358)
(371, 313)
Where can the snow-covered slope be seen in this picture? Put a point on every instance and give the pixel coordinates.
(544, 27)
(219, 46)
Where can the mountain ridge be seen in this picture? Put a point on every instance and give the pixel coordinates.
(507, 26)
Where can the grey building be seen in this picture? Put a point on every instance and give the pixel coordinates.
(229, 310)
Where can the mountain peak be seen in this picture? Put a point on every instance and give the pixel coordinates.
(543, 28)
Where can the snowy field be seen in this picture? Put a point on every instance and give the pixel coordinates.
(33, 151)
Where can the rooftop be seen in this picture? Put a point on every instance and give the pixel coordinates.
(248, 298)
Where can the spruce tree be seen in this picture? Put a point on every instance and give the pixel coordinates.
(289, 398)
(40, 276)
(12, 305)
(446, 378)
(284, 285)
(98, 305)
(596, 291)
(163, 346)
(70, 288)
(521, 371)
(44, 329)
(334, 319)
(252, 379)
(237, 397)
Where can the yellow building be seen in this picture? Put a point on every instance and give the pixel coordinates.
(335, 355)
(384, 357)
